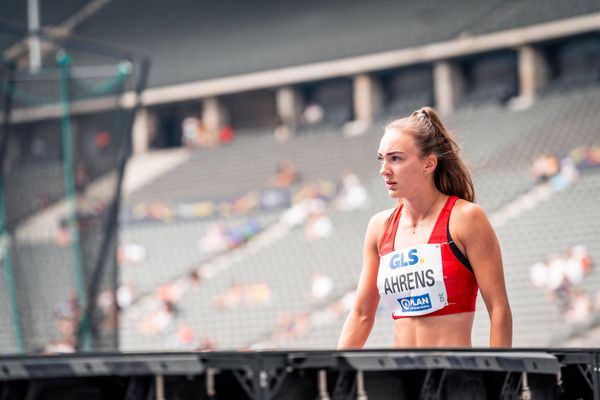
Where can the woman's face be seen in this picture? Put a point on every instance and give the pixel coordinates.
(402, 167)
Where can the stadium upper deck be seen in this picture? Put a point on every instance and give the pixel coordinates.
(198, 40)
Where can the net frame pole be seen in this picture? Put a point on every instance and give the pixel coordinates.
(71, 197)
(113, 215)
(5, 238)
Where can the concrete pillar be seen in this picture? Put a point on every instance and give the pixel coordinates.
(368, 98)
(214, 115)
(533, 71)
(289, 103)
(144, 129)
(448, 86)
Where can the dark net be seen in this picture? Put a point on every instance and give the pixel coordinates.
(65, 141)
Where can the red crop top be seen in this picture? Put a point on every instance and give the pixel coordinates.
(459, 279)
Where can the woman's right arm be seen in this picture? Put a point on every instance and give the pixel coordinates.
(360, 320)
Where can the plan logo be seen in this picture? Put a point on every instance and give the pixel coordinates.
(415, 303)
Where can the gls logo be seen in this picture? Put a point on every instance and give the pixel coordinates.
(404, 259)
(415, 303)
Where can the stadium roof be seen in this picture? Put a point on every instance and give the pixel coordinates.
(192, 40)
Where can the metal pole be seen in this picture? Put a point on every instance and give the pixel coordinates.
(70, 195)
(361, 394)
(35, 44)
(525, 390)
(160, 387)
(323, 393)
(5, 238)
(210, 383)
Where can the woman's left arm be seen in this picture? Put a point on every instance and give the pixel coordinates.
(481, 246)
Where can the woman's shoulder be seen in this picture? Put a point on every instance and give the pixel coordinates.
(466, 211)
(376, 227)
(468, 220)
(377, 221)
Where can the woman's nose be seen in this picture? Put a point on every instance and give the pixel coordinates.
(384, 170)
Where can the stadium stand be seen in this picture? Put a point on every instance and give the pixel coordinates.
(499, 144)
(217, 37)
(258, 294)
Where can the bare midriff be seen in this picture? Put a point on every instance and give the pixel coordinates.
(453, 330)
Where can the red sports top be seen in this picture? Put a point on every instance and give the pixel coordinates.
(461, 286)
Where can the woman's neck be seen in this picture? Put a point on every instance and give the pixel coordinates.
(421, 206)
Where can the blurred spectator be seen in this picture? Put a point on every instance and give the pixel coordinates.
(558, 284)
(275, 199)
(356, 128)
(107, 304)
(580, 308)
(184, 338)
(285, 175)
(292, 325)
(249, 229)
(246, 203)
(102, 140)
(214, 239)
(125, 295)
(580, 254)
(586, 157)
(67, 315)
(154, 211)
(592, 156)
(538, 275)
(560, 277)
(169, 293)
(567, 175)
(219, 237)
(190, 128)
(63, 234)
(226, 134)
(206, 344)
(247, 294)
(195, 278)
(131, 253)
(313, 113)
(231, 298)
(574, 271)
(159, 320)
(194, 133)
(318, 224)
(59, 346)
(321, 286)
(544, 167)
(82, 177)
(295, 215)
(282, 133)
(353, 195)
(309, 209)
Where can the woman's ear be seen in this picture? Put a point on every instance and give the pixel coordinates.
(430, 164)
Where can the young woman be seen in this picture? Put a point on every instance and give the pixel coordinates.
(429, 256)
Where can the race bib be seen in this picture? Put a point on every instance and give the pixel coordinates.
(411, 280)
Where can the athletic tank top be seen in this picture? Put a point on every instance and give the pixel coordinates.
(426, 279)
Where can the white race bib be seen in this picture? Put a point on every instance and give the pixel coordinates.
(411, 280)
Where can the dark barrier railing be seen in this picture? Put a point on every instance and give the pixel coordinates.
(372, 374)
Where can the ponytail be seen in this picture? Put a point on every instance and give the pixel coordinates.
(451, 175)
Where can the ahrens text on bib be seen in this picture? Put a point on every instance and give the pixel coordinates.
(411, 280)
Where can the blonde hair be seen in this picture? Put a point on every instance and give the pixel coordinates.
(451, 175)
